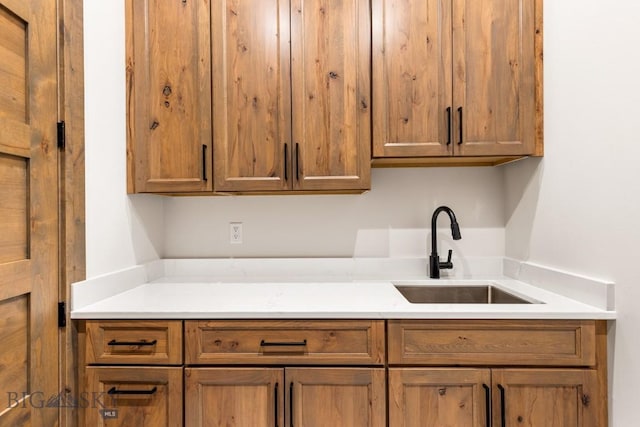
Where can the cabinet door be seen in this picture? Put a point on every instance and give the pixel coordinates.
(142, 397)
(168, 96)
(439, 397)
(494, 77)
(546, 397)
(412, 78)
(220, 397)
(251, 95)
(331, 52)
(336, 397)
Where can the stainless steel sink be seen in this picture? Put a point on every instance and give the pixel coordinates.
(456, 294)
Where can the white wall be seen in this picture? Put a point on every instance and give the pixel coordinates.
(121, 231)
(578, 209)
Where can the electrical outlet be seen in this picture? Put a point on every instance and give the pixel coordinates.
(235, 233)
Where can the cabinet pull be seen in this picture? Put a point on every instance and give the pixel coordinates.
(291, 404)
(460, 125)
(487, 395)
(286, 161)
(297, 162)
(448, 125)
(503, 415)
(114, 390)
(275, 403)
(204, 162)
(142, 343)
(264, 343)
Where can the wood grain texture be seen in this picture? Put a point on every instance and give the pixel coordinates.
(340, 397)
(547, 397)
(353, 342)
(166, 351)
(13, 67)
(252, 95)
(539, 79)
(454, 161)
(437, 397)
(239, 397)
(492, 342)
(169, 95)
(14, 206)
(412, 86)
(494, 70)
(160, 409)
(331, 121)
(14, 352)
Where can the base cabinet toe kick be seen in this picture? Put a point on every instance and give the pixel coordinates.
(349, 373)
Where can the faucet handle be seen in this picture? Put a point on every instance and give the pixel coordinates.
(447, 264)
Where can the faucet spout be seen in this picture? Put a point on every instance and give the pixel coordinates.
(434, 259)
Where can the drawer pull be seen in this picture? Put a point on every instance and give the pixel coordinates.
(264, 343)
(487, 395)
(291, 404)
(275, 403)
(132, 343)
(114, 390)
(503, 414)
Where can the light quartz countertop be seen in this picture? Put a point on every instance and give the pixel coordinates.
(162, 290)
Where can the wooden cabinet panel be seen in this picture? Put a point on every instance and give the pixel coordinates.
(492, 342)
(439, 397)
(330, 57)
(168, 96)
(494, 76)
(337, 397)
(412, 89)
(552, 397)
(251, 95)
(128, 396)
(242, 397)
(134, 342)
(285, 342)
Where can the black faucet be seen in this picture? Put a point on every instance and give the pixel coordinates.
(434, 260)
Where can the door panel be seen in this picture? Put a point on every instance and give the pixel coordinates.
(330, 60)
(493, 77)
(412, 68)
(28, 208)
(251, 102)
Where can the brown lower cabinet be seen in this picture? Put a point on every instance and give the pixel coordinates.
(257, 397)
(477, 397)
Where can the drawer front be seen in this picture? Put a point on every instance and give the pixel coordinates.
(356, 342)
(134, 342)
(492, 342)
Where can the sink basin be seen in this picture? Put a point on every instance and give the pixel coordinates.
(456, 294)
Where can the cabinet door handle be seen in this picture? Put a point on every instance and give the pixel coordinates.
(275, 403)
(503, 415)
(487, 395)
(448, 125)
(286, 161)
(142, 343)
(264, 343)
(114, 390)
(204, 162)
(460, 125)
(291, 404)
(297, 162)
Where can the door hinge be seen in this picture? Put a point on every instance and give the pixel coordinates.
(62, 314)
(61, 135)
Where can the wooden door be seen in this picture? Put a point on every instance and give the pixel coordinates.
(412, 78)
(335, 397)
(28, 212)
(251, 95)
(331, 114)
(424, 397)
(242, 397)
(494, 77)
(134, 396)
(546, 397)
(168, 96)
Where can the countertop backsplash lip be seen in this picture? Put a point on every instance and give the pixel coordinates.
(290, 288)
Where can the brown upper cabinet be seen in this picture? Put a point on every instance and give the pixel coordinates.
(457, 78)
(291, 95)
(168, 96)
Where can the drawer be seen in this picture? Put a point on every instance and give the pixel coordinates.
(156, 342)
(492, 342)
(353, 342)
